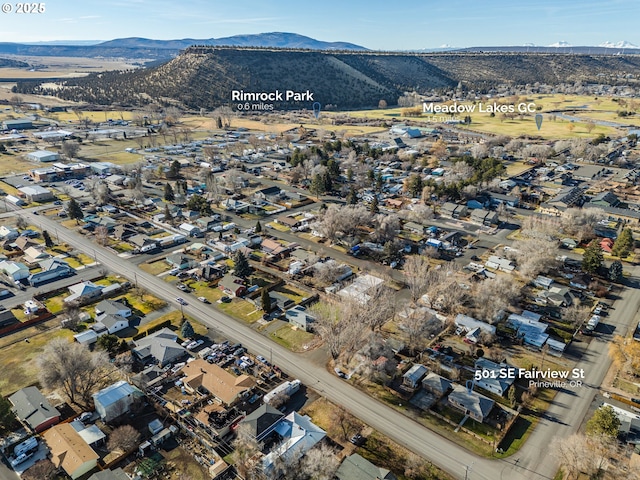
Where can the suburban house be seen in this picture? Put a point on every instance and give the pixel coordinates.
(83, 291)
(262, 421)
(160, 347)
(288, 221)
(270, 194)
(606, 244)
(474, 404)
(109, 323)
(91, 433)
(207, 223)
(111, 307)
(22, 243)
(495, 382)
(529, 328)
(50, 269)
(181, 261)
(35, 254)
(14, 270)
(467, 323)
(115, 400)
(605, 199)
(566, 198)
(7, 318)
(190, 230)
(629, 421)
(205, 377)
(232, 285)
(33, 409)
(8, 233)
(69, 451)
(300, 318)
(500, 263)
(413, 376)
(484, 217)
(141, 240)
(501, 198)
(453, 210)
(581, 281)
(297, 435)
(436, 384)
(355, 467)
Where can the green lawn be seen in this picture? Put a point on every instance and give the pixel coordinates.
(145, 304)
(55, 304)
(155, 268)
(294, 340)
(295, 294)
(241, 309)
(202, 289)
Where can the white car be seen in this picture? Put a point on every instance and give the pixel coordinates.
(194, 344)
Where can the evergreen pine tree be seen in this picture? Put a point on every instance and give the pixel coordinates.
(593, 257)
(258, 228)
(186, 331)
(615, 271)
(74, 210)
(169, 196)
(265, 300)
(373, 208)
(241, 265)
(623, 244)
(48, 242)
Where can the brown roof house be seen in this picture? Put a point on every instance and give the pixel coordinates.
(69, 451)
(226, 387)
(232, 285)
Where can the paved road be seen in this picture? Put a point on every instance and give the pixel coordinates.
(533, 460)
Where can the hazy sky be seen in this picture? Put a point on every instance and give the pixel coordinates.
(377, 24)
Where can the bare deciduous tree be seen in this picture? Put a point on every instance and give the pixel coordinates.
(74, 369)
(41, 470)
(124, 438)
(101, 234)
(416, 269)
(246, 454)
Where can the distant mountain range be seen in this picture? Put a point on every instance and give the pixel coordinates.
(163, 50)
(135, 47)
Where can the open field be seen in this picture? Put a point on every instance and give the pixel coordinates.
(18, 360)
(294, 339)
(48, 67)
(602, 109)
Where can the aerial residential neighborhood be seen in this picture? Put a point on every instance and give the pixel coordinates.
(389, 262)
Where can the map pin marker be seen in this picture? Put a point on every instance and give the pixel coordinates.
(316, 109)
(538, 120)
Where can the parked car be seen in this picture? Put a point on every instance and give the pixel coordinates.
(225, 299)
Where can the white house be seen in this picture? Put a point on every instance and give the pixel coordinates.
(14, 270)
(112, 323)
(115, 400)
(8, 233)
